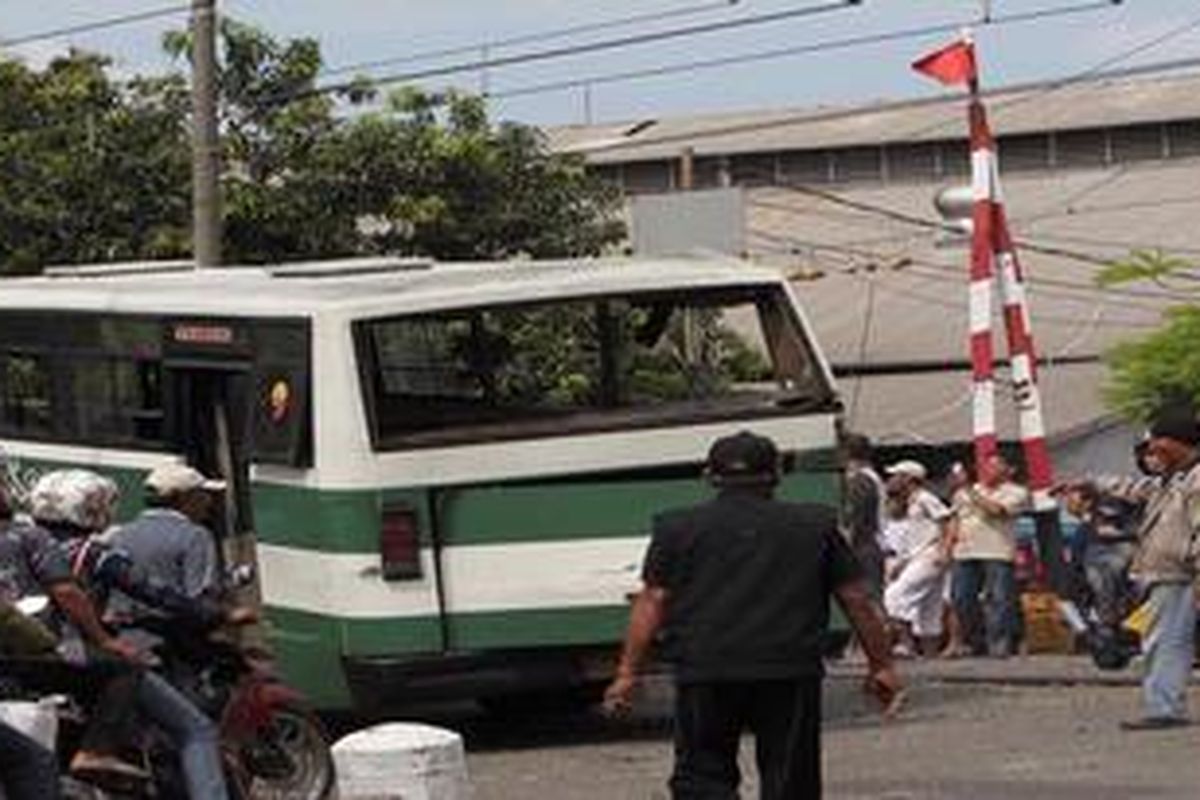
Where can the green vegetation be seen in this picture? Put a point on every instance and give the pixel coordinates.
(1166, 364)
(98, 169)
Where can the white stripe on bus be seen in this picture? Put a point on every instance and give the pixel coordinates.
(17, 449)
(570, 455)
(545, 457)
(478, 578)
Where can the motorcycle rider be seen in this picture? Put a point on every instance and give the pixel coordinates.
(29, 654)
(71, 506)
(168, 540)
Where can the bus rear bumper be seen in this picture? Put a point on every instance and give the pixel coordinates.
(381, 681)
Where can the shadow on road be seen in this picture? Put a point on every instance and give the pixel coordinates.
(845, 707)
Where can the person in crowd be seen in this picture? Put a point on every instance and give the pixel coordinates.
(741, 586)
(984, 551)
(958, 478)
(70, 507)
(1164, 564)
(863, 511)
(29, 651)
(168, 541)
(895, 525)
(1107, 545)
(914, 597)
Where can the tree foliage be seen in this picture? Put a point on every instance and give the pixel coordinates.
(1164, 366)
(92, 170)
(98, 170)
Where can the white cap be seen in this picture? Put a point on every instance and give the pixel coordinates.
(912, 469)
(172, 479)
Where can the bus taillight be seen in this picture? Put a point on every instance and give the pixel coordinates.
(400, 543)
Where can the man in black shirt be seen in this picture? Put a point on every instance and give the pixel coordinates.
(740, 587)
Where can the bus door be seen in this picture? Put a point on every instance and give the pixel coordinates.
(208, 390)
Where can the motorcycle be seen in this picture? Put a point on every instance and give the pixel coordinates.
(272, 745)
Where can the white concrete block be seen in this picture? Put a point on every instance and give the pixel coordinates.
(402, 761)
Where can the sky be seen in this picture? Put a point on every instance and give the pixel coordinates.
(353, 31)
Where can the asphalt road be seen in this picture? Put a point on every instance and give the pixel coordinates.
(953, 742)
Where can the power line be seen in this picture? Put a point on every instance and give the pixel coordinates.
(809, 117)
(1058, 283)
(912, 219)
(540, 36)
(580, 49)
(1022, 243)
(101, 24)
(790, 52)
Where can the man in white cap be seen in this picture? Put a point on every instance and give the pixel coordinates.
(914, 595)
(169, 540)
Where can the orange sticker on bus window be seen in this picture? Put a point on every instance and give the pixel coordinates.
(279, 400)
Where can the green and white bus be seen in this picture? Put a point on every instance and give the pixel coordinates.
(448, 470)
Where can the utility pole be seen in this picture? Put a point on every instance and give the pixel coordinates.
(206, 190)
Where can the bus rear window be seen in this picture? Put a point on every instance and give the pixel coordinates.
(577, 365)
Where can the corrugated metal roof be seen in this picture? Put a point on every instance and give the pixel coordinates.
(930, 408)
(1030, 109)
(890, 295)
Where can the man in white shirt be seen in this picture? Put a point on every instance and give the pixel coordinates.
(984, 549)
(914, 596)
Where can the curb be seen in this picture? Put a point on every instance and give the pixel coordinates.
(1030, 679)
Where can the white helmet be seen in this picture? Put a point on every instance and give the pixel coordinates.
(75, 496)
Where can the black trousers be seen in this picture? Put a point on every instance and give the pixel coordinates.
(28, 771)
(785, 718)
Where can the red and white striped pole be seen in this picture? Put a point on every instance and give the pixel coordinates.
(983, 394)
(994, 255)
(1023, 360)
(994, 258)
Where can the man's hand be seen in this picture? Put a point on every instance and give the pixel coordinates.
(645, 619)
(884, 684)
(618, 697)
(125, 651)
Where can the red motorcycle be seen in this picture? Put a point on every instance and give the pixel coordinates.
(272, 744)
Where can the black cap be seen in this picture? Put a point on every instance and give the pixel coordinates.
(743, 459)
(1176, 421)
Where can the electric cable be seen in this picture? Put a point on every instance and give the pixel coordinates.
(97, 25)
(539, 36)
(792, 52)
(579, 49)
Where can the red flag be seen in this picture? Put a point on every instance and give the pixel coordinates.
(951, 65)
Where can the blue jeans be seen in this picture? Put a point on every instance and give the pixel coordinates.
(992, 626)
(28, 771)
(192, 732)
(1169, 648)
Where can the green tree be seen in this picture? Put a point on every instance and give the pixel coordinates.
(426, 175)
(99, 170)
(94, 170)
(1144, 373)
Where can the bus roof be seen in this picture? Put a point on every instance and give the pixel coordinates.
(361, 287)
